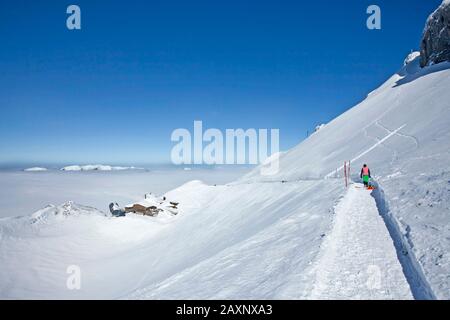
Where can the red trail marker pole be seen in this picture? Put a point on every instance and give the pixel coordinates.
(348, 175)
(345, 173)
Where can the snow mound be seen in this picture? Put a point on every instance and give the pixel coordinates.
(191, 185)
(272, 158)
(63, 211)
(193, 194)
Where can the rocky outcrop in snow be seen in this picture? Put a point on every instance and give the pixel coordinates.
(435, 45)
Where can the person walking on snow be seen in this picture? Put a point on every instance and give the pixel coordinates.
(365, 175)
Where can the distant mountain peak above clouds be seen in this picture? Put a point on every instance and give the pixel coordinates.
(97, 167)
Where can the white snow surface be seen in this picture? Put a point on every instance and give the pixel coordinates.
(359, 259)
(292, 235)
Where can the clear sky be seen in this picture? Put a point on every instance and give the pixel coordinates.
(114, 91)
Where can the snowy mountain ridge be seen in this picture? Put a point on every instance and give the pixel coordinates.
(97, 167)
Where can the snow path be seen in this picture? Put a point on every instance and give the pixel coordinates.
(358, 259)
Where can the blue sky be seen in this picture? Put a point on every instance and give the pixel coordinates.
(114, 91)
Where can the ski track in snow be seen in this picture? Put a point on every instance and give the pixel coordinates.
(380, 142)
(358, 259)
(416, 141)
(394, 152)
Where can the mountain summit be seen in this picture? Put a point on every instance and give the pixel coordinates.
(435, 46)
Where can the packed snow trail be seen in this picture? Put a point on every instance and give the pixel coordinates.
(358, 259)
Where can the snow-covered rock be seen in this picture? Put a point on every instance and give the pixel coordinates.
(35, 169)
(435, 45)
(320, 126)
(411, 57)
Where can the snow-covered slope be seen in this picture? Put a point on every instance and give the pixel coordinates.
(402, 132)
(245, 241)
(269, 237)
(414, 100)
